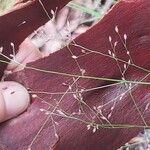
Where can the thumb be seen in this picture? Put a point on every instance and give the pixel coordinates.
(14, 99)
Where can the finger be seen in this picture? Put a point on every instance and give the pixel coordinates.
(62, 18)
(2, 107)
(14, 99)
(26, 49)
(33, 56)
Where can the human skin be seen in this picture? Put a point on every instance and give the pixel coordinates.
(14, 99)
(27, 52)
(73, 134)
(23, 56)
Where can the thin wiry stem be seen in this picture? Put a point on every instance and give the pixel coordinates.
(49, 116)
(83, 77)
(106, 55)
(73, 92)
(47, 14)
(138, 109)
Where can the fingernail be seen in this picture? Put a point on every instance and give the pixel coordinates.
(14, 99)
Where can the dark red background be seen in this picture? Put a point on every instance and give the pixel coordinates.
(132, 18)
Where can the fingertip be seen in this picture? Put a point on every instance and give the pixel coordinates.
(14, 99)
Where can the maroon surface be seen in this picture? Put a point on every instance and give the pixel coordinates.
(32, 13)
(132, 18)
